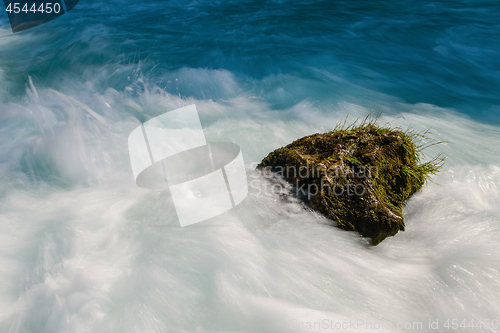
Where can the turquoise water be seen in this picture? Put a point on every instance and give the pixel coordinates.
(82, 249)
(441, 53)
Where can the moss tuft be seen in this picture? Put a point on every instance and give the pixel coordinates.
(383, 163)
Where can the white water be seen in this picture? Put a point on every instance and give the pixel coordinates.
(82, 249)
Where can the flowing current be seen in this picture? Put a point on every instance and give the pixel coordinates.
(83, 249)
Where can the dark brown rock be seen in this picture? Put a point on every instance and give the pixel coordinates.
(359, 177)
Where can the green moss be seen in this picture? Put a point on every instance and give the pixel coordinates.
(333, 157)
(395, 172)
(353, 160)
(381, 131)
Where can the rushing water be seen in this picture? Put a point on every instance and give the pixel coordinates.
(83, 249)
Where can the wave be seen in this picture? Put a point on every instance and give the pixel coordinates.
(85, 249)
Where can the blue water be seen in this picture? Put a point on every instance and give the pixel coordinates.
(441, 53)
(82, 249)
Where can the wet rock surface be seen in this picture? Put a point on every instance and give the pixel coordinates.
(359, 177)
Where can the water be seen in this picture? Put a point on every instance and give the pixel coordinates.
(82, 249)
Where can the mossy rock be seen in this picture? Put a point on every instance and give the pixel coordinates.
(359, 177)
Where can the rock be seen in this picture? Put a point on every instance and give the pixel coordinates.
(358, 176)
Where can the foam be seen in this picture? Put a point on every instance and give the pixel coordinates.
(84, 249)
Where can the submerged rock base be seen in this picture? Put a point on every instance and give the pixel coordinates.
(358, 176)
